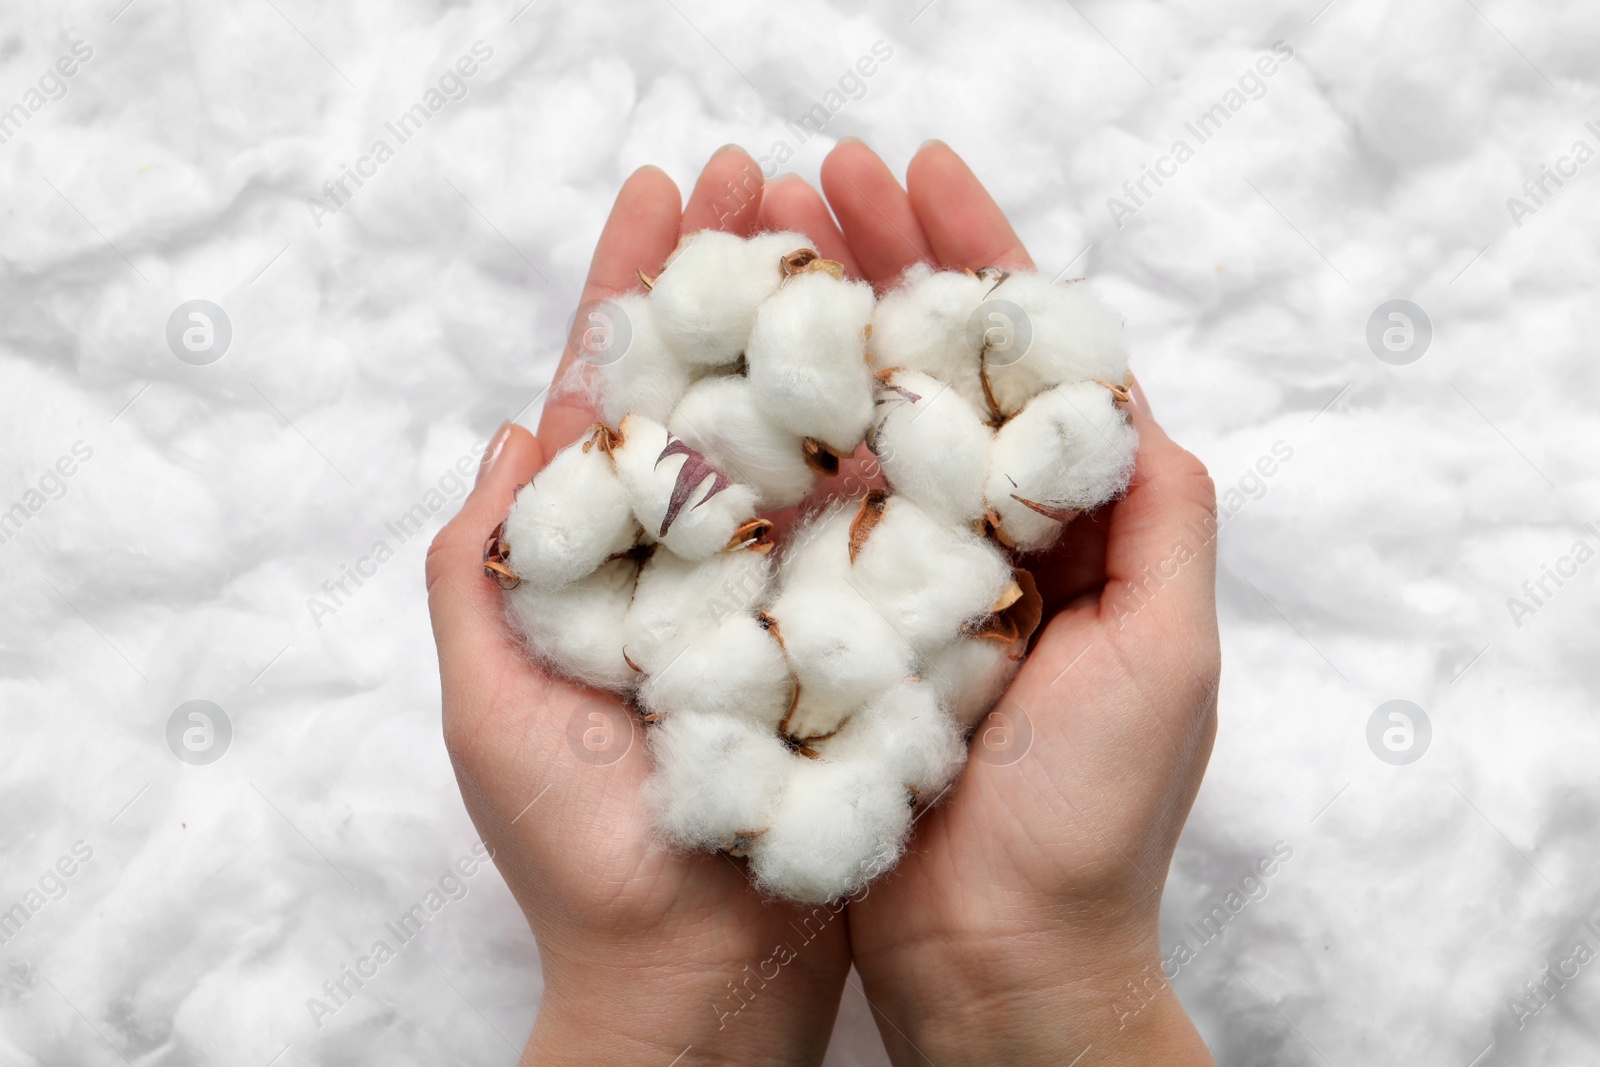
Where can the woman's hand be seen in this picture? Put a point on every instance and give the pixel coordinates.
(647, 955)
(1021, 925)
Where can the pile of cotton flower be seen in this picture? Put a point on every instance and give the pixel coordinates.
(802, 704)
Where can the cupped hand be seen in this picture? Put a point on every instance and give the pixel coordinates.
(647, 954)
(1021, 925)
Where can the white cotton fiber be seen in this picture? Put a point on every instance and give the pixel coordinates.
(926, 577)
(717, 779)
(719, 417)
(693, 514)
(805, 683)
(807, 359)
(922, 325)
(842, 651)
(677, 601)
(1069, 450)
(970, 673)
(1072, 337)
(838, 826)
(907, 732)
(571, 518)
(706, 297)
(737, 668)
(577, 629)
(634, 372)
(932, 446)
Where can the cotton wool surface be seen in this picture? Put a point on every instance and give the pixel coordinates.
(804, 695)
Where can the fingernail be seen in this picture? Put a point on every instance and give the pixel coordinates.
(851, 139)
(929, 143)
(492, 453)
(728, 148)
(1138, 395)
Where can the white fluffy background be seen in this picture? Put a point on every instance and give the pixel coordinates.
(372, 353)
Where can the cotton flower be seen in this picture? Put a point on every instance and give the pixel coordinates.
(932, 445)
(1070, 449)
(707, 296)
(677, 496)
(572, 518)
(721, 419)
(807, 358)
(802, 691)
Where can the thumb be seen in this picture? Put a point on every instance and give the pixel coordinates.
(463, 601)
(1161, 548)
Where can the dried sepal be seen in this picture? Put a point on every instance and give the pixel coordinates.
(1049, 510)
(645, 280)
(604, 438)
(769, 623)
(742, 842)
(695, 470)
(868, 515)
(751, 536)
(819, 457)
(1122, 393)
(497, 559)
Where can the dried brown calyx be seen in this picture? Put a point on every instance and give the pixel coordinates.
(743, 841)
(645, 280)
(752, 536)
(805, 260)
(868, 515)
(497, 559)
(604, 438)
(820, 458)
(1120, 393)
(1016, 614)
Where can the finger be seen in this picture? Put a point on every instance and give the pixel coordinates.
(1161, 548)
(463, 602)
(639, 235)
(791, 204)
(727, 196)
(874, 213)
(964, 225)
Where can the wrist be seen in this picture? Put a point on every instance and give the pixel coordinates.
(687, 1016)
(1035, 999)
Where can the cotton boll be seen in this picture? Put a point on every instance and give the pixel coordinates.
(1069, 450)
(907, 732)
(923, 325)
(706, 298)
(926, 577)
(634, 371)
(710, 507)
(838, 826)
(1072, 337)
(807, 359)
(932, 446)
(842, 652)
(720, 419)
(736, 669)
(677, 602)
(571, 518)
(971, 673)
(717, 778)
(577, 629)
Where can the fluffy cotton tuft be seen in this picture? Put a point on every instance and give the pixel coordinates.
(680, 500)
(1069, 450)
(802, 696)
(807, 358)
(720, 418)
(838, 826)
(707, 296)
(571, 518)
(717, 779)
(1071, 337)
(933, 446)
